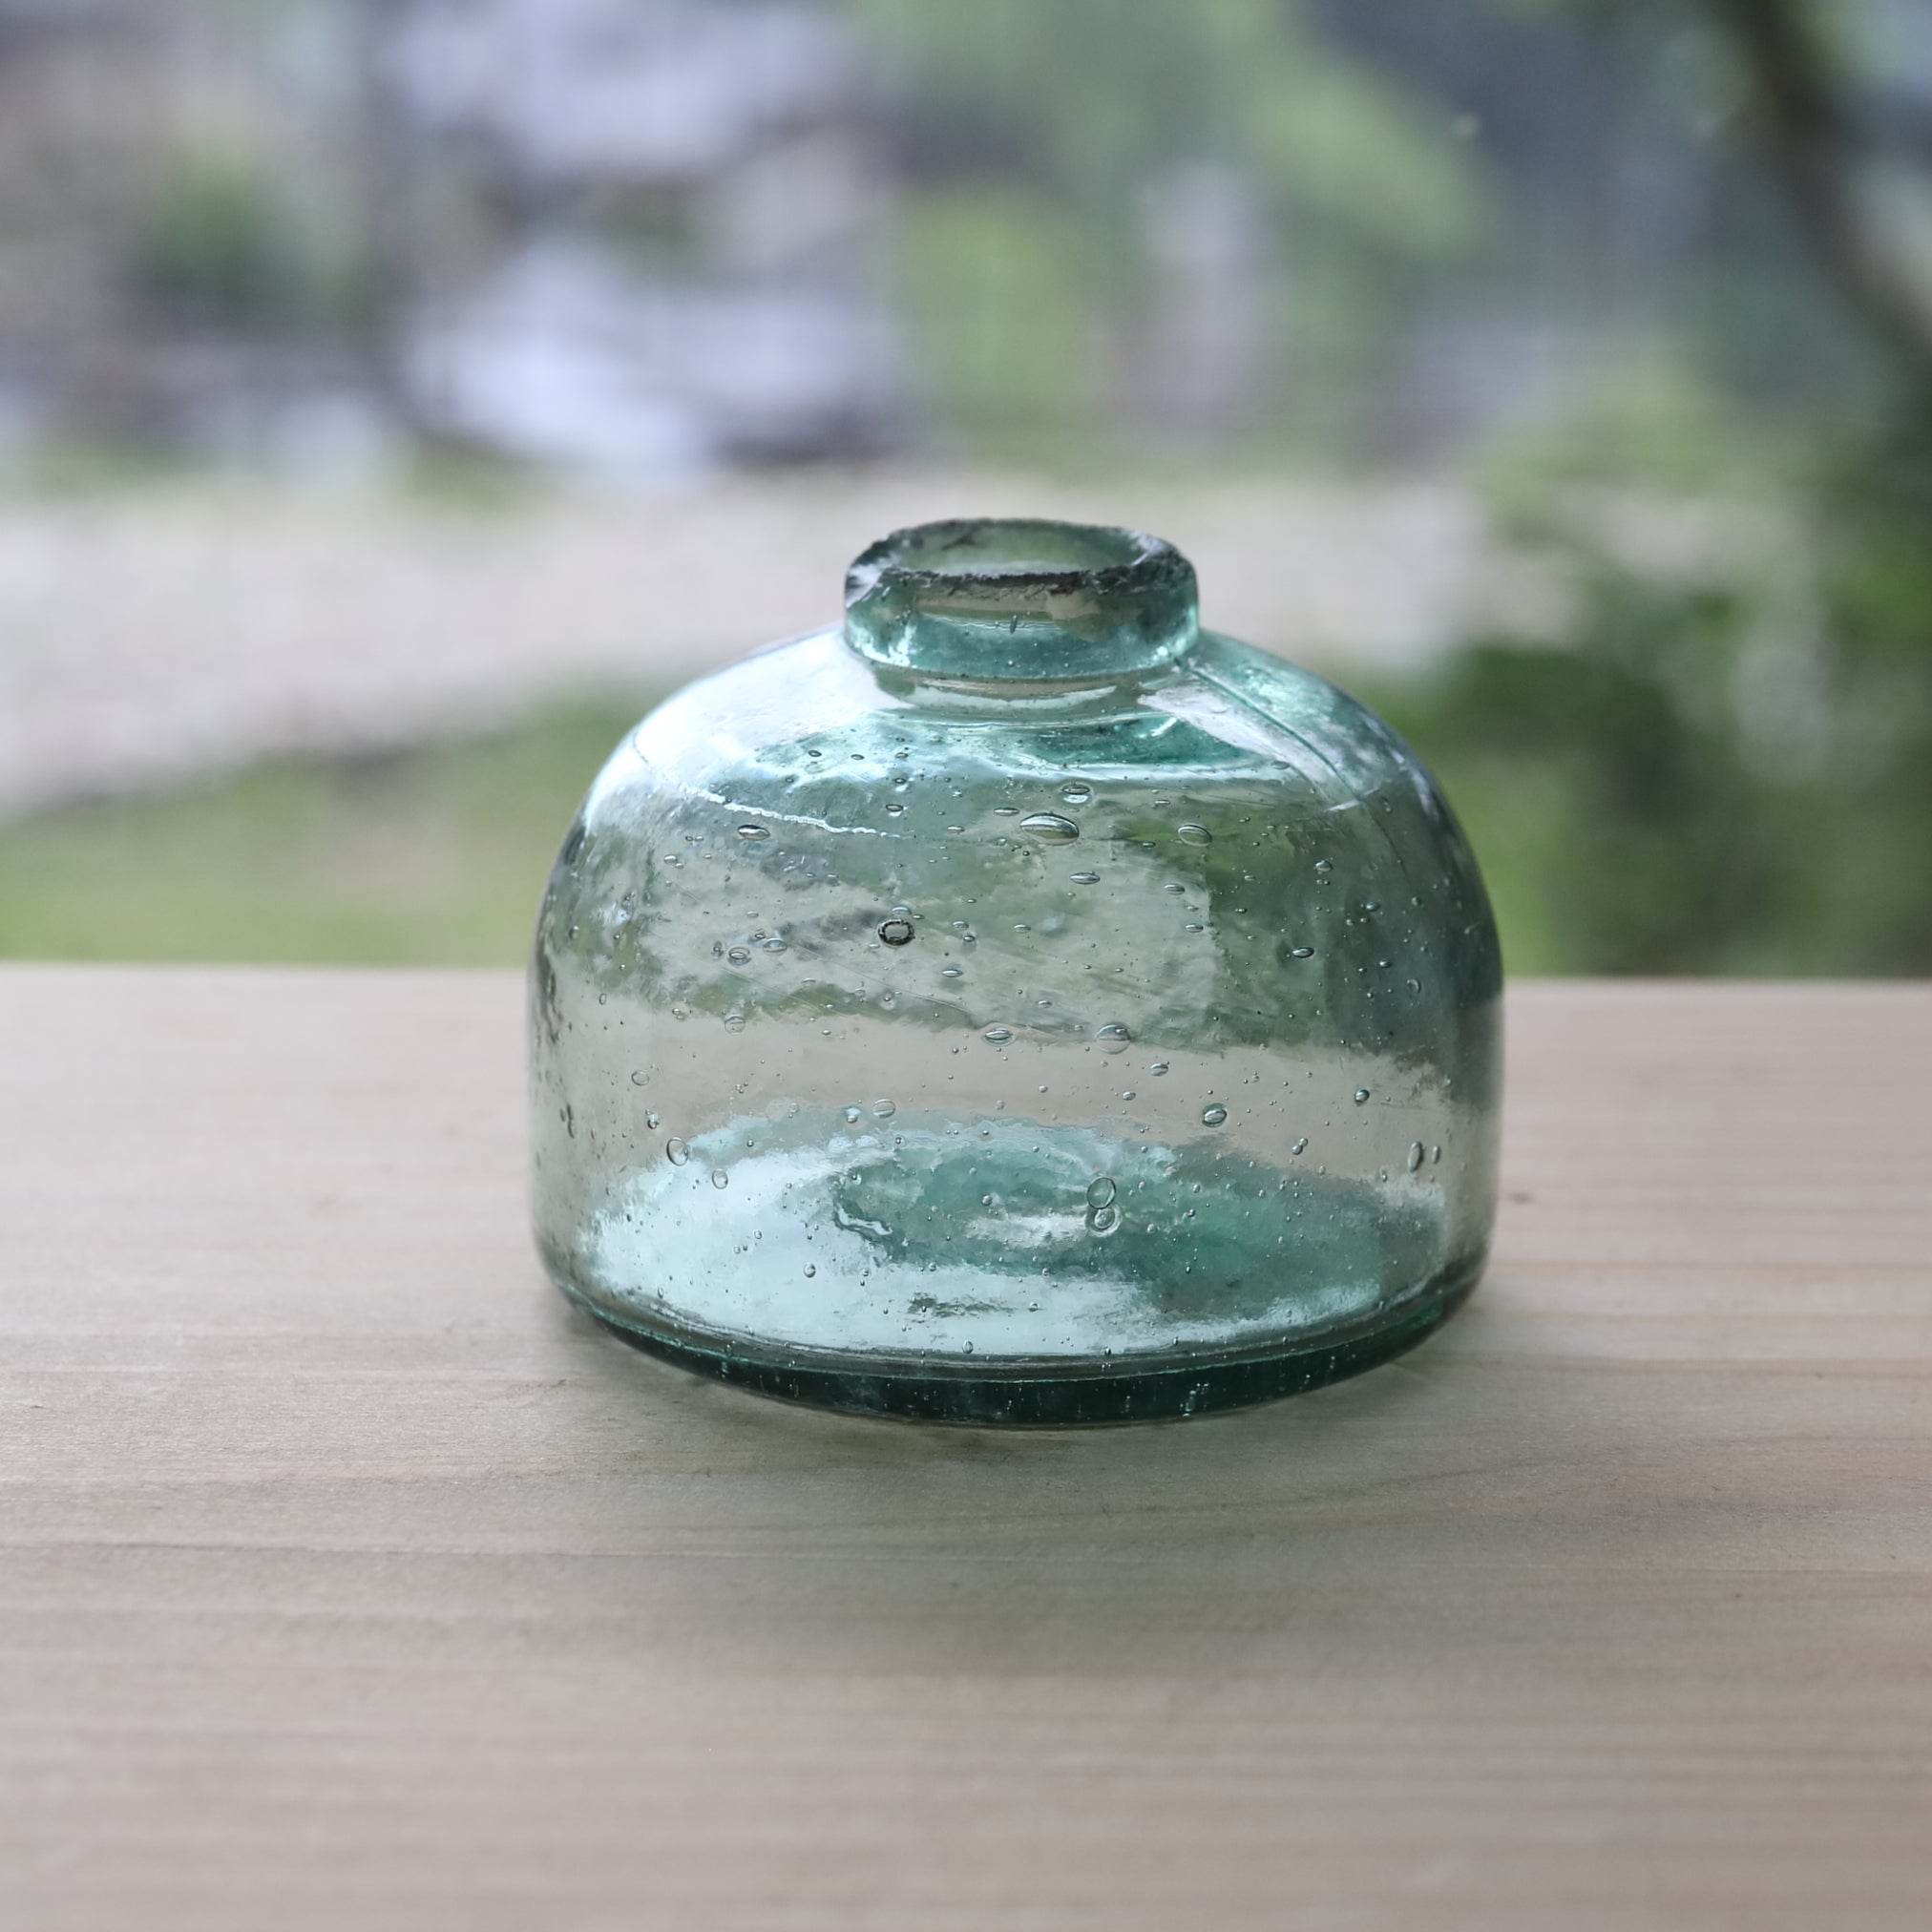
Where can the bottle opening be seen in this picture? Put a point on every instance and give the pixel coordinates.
(1021, 599)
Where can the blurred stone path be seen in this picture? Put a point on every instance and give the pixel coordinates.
(148, 638)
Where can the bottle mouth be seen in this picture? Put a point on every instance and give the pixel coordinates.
(1021, 599)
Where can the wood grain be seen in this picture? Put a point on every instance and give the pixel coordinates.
(346, 1578)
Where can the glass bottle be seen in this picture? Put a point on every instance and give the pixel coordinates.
(1016, 1005)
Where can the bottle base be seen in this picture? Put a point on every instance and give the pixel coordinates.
(1060, 1393)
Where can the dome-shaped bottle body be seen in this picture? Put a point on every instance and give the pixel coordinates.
(1123, 1042)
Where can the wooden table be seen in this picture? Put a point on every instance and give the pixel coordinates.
(347, 1579)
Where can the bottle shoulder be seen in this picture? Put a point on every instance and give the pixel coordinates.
(810, 715)
(1196, 827)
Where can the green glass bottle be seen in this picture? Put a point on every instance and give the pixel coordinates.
(1016, 1005)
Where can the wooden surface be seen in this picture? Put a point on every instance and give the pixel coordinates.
(347, 1579)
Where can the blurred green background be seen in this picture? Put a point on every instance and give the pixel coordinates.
(393, 399)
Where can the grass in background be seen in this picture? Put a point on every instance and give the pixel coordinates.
(429, 857)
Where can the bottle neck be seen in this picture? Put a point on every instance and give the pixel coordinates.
(1021, 600)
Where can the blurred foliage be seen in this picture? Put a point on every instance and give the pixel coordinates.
(1044, 130)
(1655, 425)
(218, 244)
(434, 856)
(1091, 96)
(997, 289)
(1726, 774)
(1734, 772)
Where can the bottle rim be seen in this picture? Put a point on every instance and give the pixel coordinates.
(1021, 600)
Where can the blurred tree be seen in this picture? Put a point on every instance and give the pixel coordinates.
(1734, 774)
(1856, 165)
